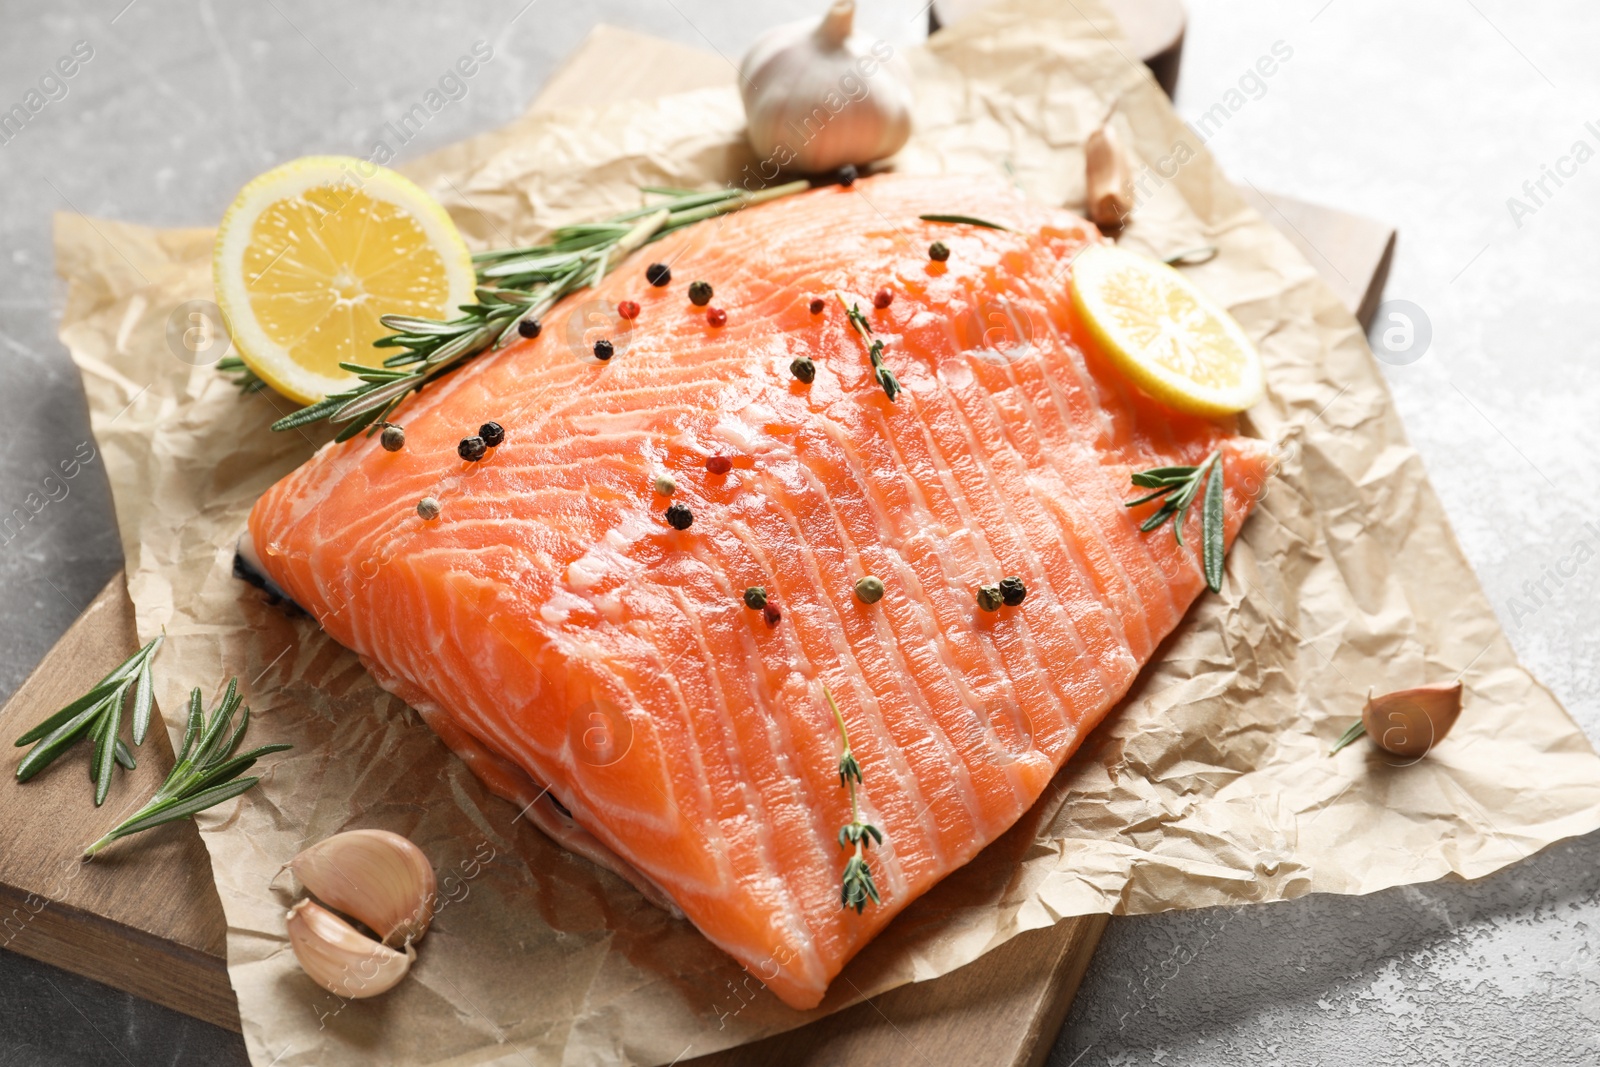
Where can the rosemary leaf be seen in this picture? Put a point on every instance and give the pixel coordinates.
(1355, 730)
(143, 703)
(1212, 526)
(964, 220)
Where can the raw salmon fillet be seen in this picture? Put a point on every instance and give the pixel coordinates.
(560, 633)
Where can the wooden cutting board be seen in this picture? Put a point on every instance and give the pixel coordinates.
(147, 919)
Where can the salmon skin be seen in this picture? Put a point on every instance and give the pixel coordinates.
(558, 630)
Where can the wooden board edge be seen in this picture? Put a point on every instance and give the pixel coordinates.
(74, 939)
(1062, 989)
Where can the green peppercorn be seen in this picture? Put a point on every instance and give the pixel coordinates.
(804, 369)
(989, 597)
(1012, 591)
(665, 484)
(869, 590)
(428, 508)
(393, 438)
(679, 517)
(938, 251)
(699, 293)
(755, 598)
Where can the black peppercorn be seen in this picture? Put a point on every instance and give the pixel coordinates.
(393, 438)
(817, 304)
(603, 350)
(529, 328)
(989, 598)
(493, 434)
(471, 449)
(1012, 591)
(847, 175)
(699, 293)
(755, 598)
(679, 517)
(658, 274)
(804, 369)
(938, 251)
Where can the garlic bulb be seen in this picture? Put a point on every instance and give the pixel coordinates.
(379, 877)
(339, 958)
(816, 97)
(1412, 721)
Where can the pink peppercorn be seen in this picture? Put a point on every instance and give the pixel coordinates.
(719, 464)
(716, 316)
(882, 298)
(772, 615)
(628, 309)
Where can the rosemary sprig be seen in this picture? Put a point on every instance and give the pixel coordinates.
(1179, 486)
(98, 715)
(514, 284)
(206, 772)
(964, 220)
(857, 886)
(880, 370)
(243, 377)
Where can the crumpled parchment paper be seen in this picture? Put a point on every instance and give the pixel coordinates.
(1211, 785)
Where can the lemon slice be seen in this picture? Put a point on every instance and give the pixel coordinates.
(313, 252)
(1171, 339)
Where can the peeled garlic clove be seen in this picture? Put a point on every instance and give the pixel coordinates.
(818, 95)
(377, 876)
(1412, 721)
(340, 959)
(1109, 178)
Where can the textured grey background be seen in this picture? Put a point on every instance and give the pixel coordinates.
(1428, 114)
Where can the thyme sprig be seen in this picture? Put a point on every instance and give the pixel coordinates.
(206, 772)
(1179, 486)
(514, 284)
(880, 370)
(857, 886)
(97, 715)
(964, 220)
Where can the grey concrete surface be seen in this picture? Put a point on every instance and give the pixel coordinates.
(1429, 114)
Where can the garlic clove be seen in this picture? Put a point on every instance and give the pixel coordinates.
(339, 958)
(1411, 721)
(377, 876)
(1108, 178)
